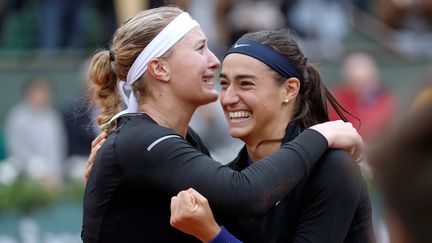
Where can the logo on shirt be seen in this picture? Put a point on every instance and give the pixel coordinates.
(240, 45)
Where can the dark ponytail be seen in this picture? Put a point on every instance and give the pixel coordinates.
(312, 105)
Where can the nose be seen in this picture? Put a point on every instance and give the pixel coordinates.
(214, 62)
(229, 96)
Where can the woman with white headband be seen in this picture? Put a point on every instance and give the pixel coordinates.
(151, 154)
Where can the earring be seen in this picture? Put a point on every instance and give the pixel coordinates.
(286, 100)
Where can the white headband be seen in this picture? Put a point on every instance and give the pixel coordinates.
(163, 41)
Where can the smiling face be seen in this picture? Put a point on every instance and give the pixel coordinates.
(252, 101)
(192, 66)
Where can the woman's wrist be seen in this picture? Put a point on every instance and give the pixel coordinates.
(224, 236)
(209, 235)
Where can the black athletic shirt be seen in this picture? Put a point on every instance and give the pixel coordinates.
(330, 205)
(141, 165)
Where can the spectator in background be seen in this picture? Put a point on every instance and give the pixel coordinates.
(412, 20)
(81, 130)
(107, 18)
(80, 123)
(364, 94)
(209, 122)
(3, 9)
(18, 30)
(2, 147)
(126, 9)
(322, 25)
(207, 13)
(403, 170)
(400, 14)
(250, 16)
(364, 5)
(182, 4)
(424, 97)
(35, 136)
(60, 24)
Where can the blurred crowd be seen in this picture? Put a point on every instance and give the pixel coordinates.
(322, 25)
(51, 145)
(43, 143)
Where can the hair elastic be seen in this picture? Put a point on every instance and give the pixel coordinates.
(111, 55)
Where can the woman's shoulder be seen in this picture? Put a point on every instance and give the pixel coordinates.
(141, 131)
(338, 159)
(337, 170)
(140, 125)
(137, 131)
(194, 139)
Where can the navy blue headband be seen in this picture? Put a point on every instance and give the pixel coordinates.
(267, 55)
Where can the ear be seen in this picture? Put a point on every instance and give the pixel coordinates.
(290, 89)
(159, 69)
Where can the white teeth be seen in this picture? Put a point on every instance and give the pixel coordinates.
(239, 114)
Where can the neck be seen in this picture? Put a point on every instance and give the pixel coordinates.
(170, 116)
(263, 149)
(263, 144)
(260, 145)
(268, 139)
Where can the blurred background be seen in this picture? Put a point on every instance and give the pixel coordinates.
(376, 55)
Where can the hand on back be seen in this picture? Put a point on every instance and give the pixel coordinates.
(342, 135)
(95, 146)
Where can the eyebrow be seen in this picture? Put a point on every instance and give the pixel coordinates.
(201, 41)
(238, 76)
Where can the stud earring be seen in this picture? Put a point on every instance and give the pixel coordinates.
(286, 100)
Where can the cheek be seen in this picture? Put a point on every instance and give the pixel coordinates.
(198, 61)
(261, 113)
(267, 108)
(190, 65)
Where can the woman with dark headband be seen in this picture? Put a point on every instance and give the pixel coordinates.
(270, 94)
(161, 55)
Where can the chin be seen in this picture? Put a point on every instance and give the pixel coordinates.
(238, 133)
(207, 99)
(212, 96)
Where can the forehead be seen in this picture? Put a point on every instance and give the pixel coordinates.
(236, 63)
(194, 36)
